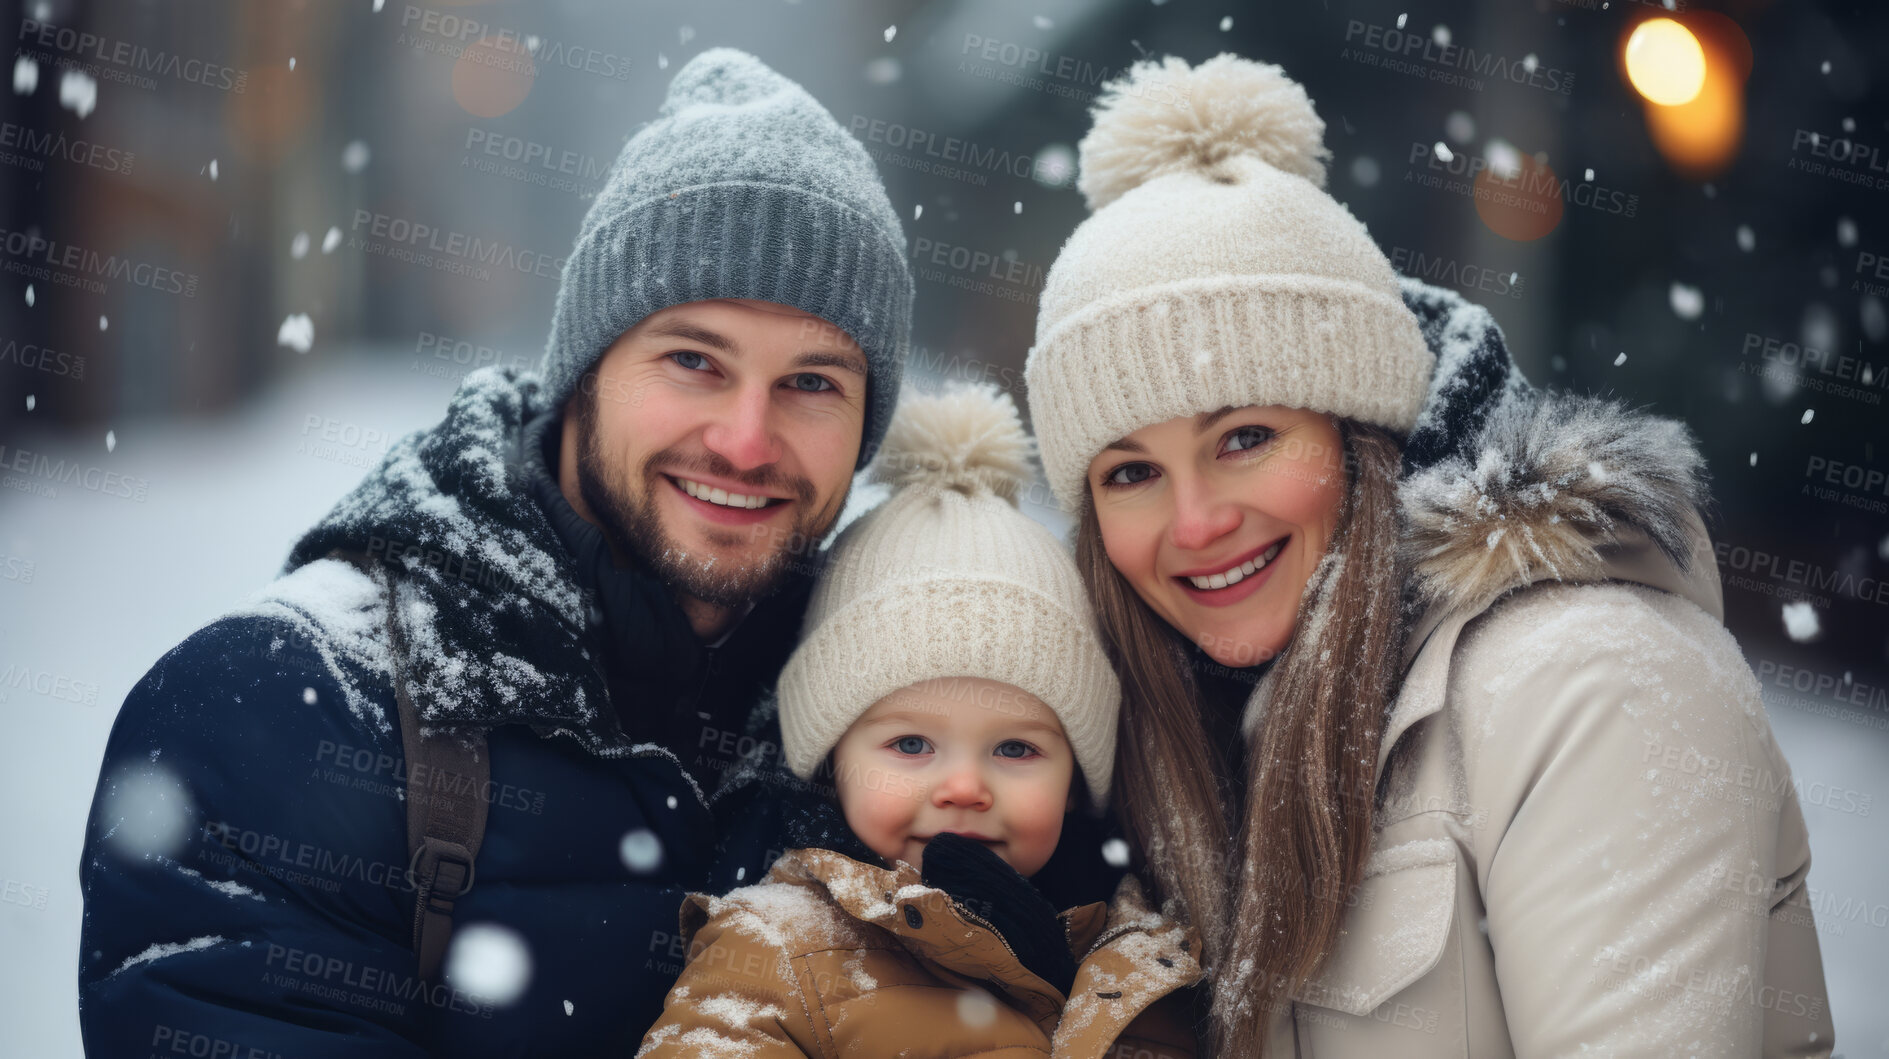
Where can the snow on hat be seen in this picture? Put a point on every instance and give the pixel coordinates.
(1214, 271)
(947, 578)
(743, 187)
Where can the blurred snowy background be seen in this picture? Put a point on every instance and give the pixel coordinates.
(246, 245)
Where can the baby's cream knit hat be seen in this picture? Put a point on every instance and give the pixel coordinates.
(947, 578)
(1214, 272)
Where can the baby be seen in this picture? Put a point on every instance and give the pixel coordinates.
(950, 683)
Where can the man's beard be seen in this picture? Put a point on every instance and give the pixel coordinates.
(630, 521)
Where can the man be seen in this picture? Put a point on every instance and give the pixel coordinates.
(580, 582)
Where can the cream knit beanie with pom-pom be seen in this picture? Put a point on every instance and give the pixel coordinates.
(1214, 272)
(947, 578)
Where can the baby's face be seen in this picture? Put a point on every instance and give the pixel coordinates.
(986, 760)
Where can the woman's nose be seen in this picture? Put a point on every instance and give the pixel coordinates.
(1201, 515)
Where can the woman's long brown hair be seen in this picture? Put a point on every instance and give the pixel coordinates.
(1263, 868)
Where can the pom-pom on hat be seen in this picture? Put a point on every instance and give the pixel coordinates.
(947, 578)
(1214, 272)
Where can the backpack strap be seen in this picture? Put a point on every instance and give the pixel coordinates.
(447, 775)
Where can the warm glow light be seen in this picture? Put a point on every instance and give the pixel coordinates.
(1665, 62)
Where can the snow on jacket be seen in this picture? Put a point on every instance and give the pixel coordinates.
(1589, 841)
(830, 956)
(245, 865)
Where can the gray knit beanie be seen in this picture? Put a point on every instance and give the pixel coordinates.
(743, 187)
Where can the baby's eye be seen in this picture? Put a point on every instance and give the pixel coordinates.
(1248, 437)
(910, 744)
(1015, 749)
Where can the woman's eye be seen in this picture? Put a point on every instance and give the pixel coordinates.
(1248, 437)
(1129, 474)
(808, 382)
(689, 359)
(1014, 749)
(910, 744)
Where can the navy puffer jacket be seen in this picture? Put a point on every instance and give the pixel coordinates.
(244, 868)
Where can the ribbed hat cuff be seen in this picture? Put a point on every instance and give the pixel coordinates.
(901, 636)
(737, 239)
(1179, 349)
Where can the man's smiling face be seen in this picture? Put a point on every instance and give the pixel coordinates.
(715, 440)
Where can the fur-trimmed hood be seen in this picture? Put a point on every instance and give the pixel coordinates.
(1506, 485)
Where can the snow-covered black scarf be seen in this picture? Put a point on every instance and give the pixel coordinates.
(488, 602)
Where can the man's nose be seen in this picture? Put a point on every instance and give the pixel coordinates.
(743, 430)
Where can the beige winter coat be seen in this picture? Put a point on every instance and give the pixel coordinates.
(828, 956)
(1589, 842)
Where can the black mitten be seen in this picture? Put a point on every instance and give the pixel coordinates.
(980, 881)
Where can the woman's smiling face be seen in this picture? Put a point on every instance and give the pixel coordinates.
(1219, 520)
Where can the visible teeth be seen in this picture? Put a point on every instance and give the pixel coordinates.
(721, 496)
(1240, 572)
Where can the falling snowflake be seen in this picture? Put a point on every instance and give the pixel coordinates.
(1226, 23)
(103, 322)
(1055, 165)
(29, 296)
(308, 696)
(1621, 359)
(1017, 206)
(111, 441)
(1747, 239)
(1809, 414)
(152, 809)
(662, 61)
(884, 70)
(1846, 232)
(291, 62)
(78, 92)
(1444, 154)
(1441, 34)
(1115, 852)
(1042, 21)
(331, 240)
(976, 1009)
(1400, 20)
(1364, 170)
(378, 4)
(1459, 126)
(570, 1008)
(1529, 62)
(298, 246)
(30, 402)
(25, 76)
(490, 962)
(1825, 67)
(1754, 459)
(890, 32)
(354, 156)
(297, 332)
(1800, 621)
(641, 851)
(1686, 301)
(918, 211)
(685, 34)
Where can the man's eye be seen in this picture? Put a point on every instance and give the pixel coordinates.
(1248, 437)
(910, 744)
(1015, 749)
(1129, 474)
(811, 383)
(689, 359)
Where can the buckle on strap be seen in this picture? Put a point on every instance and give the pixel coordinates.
(447, 864)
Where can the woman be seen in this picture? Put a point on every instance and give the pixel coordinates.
(1430, 723)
